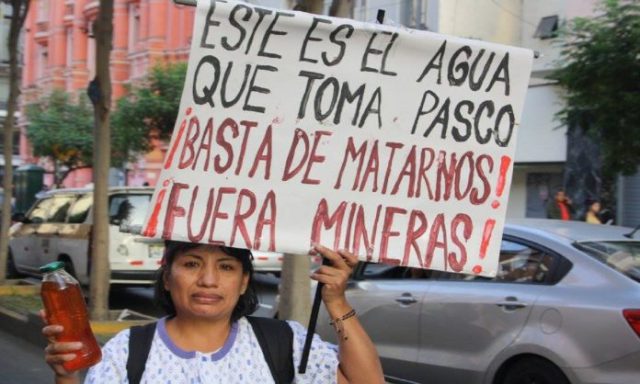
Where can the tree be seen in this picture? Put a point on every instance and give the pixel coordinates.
(19, 8)
(601, 73)
(61, 130)
(100, 94)
(149, 110)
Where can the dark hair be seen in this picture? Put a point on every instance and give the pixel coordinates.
(248, 301)
(590, 201)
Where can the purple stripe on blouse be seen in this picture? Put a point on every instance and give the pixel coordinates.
(222, 352)
(227, 344)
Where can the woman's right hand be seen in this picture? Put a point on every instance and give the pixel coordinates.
(56, 353)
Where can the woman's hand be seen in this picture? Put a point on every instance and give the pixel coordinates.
(334, 276)
(56, 353)
(359, 361)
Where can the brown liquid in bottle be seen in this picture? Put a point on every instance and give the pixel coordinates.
(65, 306)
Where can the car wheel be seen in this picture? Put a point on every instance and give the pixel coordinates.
(12, 271)
(534, 370)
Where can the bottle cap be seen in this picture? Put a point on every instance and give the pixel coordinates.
(54, 266)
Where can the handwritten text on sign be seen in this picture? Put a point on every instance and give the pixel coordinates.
(295, 129)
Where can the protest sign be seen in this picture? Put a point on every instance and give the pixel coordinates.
(296, 129)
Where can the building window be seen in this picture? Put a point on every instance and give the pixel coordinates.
(43, 10)
(134, 25)
(547, 28)
(413, 13)
(43, 61)
(4, 33)
(361, 10)
(91, 57)
(69, 59)
(541, 188)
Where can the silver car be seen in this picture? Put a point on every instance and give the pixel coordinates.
(564, 308)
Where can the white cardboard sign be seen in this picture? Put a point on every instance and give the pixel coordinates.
(295, 129)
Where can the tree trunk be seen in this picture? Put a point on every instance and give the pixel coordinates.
(310, 6)
(19, 9)
(295, 297)
(100, 93)
(341, 8)
(57, 179)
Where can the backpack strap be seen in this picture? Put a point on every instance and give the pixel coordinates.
(140, 338)
(274, 336)
(276, 340)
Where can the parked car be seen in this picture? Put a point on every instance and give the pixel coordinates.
(271, 262)
(58, 227)
(563, 308)
(267, 262)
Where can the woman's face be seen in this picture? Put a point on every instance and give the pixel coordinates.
(205, 282)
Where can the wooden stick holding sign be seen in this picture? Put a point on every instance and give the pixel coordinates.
(311, 329)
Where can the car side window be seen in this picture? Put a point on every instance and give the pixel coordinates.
(80, 209)
(520, 263)
(372, 271)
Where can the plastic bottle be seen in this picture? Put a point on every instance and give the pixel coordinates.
(64, 304)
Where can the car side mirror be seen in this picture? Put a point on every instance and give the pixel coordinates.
(133, 229)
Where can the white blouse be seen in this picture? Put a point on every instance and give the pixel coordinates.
(239, 361)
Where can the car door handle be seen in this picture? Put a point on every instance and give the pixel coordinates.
(406, 299)
(511, 303)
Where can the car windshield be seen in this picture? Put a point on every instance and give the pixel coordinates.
(623, 256)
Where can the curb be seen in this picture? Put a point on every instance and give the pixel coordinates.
(29, 326)
(19, 290)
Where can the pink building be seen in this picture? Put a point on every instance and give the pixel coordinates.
(59, 53)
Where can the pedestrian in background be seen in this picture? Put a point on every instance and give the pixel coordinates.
(593, 212)
(560, 208)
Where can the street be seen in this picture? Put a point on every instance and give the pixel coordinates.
(22, 362)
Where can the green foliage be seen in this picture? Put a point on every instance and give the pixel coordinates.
(600, 69)
(61, 129)
(149, 110)
(22, 304)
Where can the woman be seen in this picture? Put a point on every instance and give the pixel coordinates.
(593, 210)
(206, 338)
